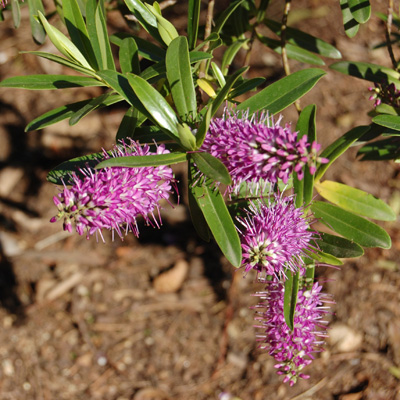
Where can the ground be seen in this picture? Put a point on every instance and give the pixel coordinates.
(165, 316)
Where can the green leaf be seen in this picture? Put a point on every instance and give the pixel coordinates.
(349, 23)
(245, 86)
(293, 52)
(305, 127)
(211, 167)
(386, 109)
(180, 79)
(77, 31)
(203, 128)
(223, 93)
(166, 30)
(339, 247)
(219, 221)
(155, 104)
(230, 54)
(290, 298)
(324, 258)
(38, 32)
(97, 30)
(360, 10)
(186, 137)
(380, 150)
(143, 161)
(304, 40)
(388, 121)
(367, 71)
(193, 22)
(63, 44)
(355, 201)
(63, 61)
(128, 124)
(284, 92)
(129, 56)
(351, 226)
(218, 74)
(16, 13)
(92, 105)
(147, 50)
(45, 82)
(149, 134)
(145, 17)
(64, 112)
(338, 147)
(62, 173)
(221, 20)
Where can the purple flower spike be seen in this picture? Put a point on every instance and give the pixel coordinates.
(257, 149)
(292, 349)
(112, 198)
(275, 237)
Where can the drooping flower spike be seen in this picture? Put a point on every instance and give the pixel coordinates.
(292, 349)
(274, 236)
(258, 149)
(113, 198)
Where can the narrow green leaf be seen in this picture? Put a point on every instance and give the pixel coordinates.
(45, 82)
(143, 161)
(339, 247)
(166, 30)
(387, 149)
(223, 93)
(386, 109)
(351, 226)
(293, 52)
(218, 74)
(360, 10)
(211, 167)
(284, 92)
(221, 20)
(63, 44)
(129, 56)
(388, 121)
(230, 54)
(186, 137)
(77, 31)
(128, 124)
(193, 22)
(92, 105)
(180, 79)
(38, 32)
(338, 147)
(16, 13)
(304, 40)
(245, 86)
(219, 221)
(367, 71)
(324, 258)
(61, 174)
(203, 128)
(66, 111)
(305, 127)
(355, 201)
(290, 298)
(63, 61)
(147, 50)
(349, 23)
(155, 104)
(97, 30)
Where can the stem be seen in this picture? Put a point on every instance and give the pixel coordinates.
(285, 61)
(388, 33)
(207, 32)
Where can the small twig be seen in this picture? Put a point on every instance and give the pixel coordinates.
(285, 60)
(388, 33)
(207, 32)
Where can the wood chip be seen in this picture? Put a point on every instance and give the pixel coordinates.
(172, 280)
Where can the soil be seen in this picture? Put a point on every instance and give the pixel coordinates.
(165, 316)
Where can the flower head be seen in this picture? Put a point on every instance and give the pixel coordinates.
(112, 198)
(385, 93)
(292, 349)
(275, 236)
(258, 149)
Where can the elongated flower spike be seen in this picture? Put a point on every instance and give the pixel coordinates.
(274, 236)
(258, 149)
(113, 198)
(292, 349)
